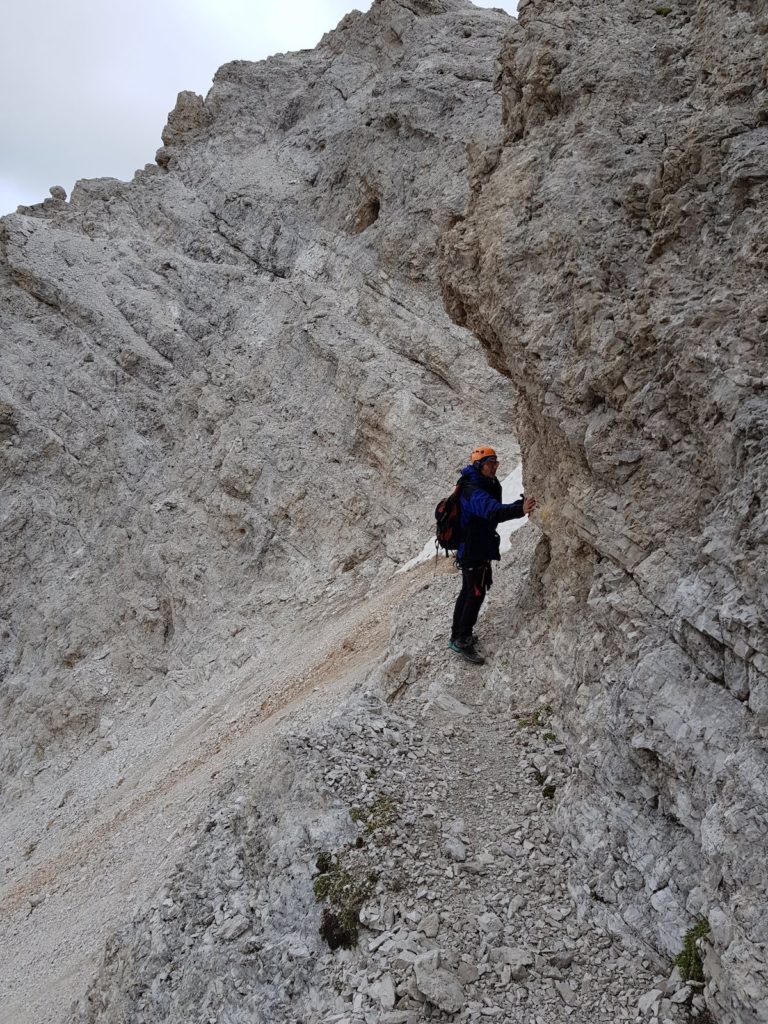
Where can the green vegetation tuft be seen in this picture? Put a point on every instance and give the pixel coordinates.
(345, 892)
(324, 862)
(536, 719)
(345, 885)
(382, 812)
(663, 11)
(549, 792)
(689, 959)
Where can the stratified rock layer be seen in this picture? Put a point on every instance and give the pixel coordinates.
(614, 266)
(228, 384)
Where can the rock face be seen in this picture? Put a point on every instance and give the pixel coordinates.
(614, 267)
(227, 384)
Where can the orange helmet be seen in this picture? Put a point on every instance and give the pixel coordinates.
(483, 452)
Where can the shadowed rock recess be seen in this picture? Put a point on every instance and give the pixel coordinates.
(614, 264)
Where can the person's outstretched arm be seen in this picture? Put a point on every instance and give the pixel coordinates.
(483, 505)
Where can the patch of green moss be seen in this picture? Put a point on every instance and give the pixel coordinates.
(379, 814)
(537, 719)
(339, 928)
(322, 887)
(663, 11)
(549, 737)
(688, 960)
(345, 891)
(549, 792)
(324, 862)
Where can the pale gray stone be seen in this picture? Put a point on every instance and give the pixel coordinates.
(490, 923)
(467, 973)
(384, 991)
(566, 993)
(439, 986)
(455, 849)
(648, 1002)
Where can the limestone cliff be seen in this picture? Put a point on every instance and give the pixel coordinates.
(227, 384)
(614, 266)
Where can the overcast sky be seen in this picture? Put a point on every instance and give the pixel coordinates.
(86, 85)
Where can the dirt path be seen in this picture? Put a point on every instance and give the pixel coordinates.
(76, 867)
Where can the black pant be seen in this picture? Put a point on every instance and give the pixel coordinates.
(475, 583)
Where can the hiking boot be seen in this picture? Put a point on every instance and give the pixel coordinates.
(467, 651)
(474, 640)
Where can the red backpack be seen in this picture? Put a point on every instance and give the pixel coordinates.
(448, 534)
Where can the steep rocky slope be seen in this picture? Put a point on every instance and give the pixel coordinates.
(424, 805)
(614, 265)
(226, 384)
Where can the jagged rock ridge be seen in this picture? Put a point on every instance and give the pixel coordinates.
(614, 266)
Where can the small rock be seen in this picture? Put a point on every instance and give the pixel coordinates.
(430, 925)
(384, 991)
(490, 923)
(438, 985)
(518, 961)
(562, 960)
(451, 706)
(380, 939)
(235, 928)
(467, 973)
(566, 993)
(649, 1000)
(455, 849)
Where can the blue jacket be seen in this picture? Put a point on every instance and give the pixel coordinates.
(481, 511)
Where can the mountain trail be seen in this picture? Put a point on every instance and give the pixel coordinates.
(418, 823)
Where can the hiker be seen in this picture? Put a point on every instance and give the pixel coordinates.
(481, 511)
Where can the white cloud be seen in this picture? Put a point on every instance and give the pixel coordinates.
(87, 85)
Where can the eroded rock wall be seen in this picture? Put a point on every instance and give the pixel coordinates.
(228, 387)
(614, 266)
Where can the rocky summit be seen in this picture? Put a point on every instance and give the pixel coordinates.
(242, 776)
